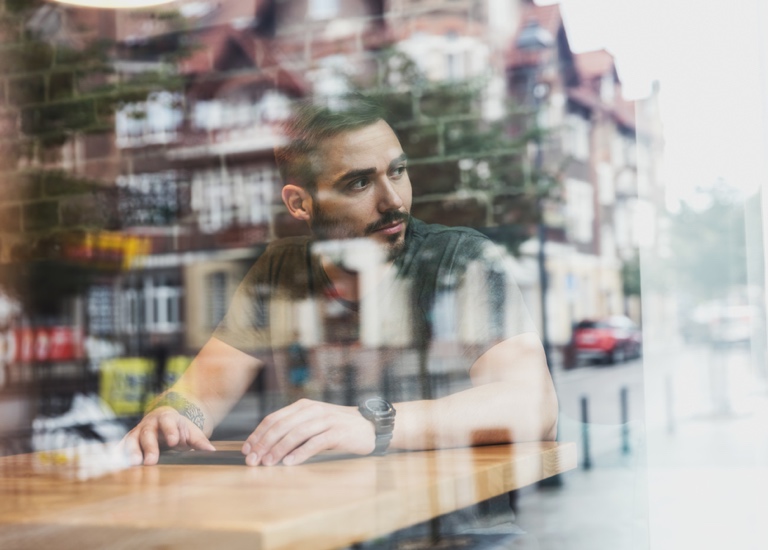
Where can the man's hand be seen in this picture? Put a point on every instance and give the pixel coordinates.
(164, 425)
(301, 430)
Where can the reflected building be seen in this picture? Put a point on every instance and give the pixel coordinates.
(602, 161)
(183, 195)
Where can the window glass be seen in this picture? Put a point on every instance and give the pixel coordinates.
(475, 238)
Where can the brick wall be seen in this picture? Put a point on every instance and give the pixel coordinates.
(47, 103)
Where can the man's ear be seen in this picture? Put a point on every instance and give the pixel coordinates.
(298, 201)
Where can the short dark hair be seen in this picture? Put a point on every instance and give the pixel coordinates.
(310, 125)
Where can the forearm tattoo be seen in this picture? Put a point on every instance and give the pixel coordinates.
(184, 407)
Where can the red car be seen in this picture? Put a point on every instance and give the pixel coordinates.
(611, 340)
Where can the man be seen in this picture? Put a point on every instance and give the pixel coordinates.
(345, 175)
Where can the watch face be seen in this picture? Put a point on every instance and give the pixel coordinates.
(378, 405)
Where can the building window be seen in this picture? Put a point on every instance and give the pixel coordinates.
(222, 199)
(149, 199)
(576, 136)
(607, 88)
(605, 184)
(607, 242)
(163, 304)
(217, 297)
(218, 114)
(331, 80)
(151, 122)
(580, 210)
(100, 310)
(129, 310)
(323, 9)
(154, 305)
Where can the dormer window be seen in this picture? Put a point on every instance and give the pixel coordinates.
(323, 9)
(607, 88)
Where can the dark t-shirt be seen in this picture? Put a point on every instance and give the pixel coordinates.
(449, 296)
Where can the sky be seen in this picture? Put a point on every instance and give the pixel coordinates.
(712, 66)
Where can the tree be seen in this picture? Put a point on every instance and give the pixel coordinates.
(61, 83)
(709, 254)
(61, 79)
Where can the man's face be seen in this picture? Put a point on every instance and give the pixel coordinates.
(363, 188)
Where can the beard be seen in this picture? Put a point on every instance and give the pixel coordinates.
(325, 227)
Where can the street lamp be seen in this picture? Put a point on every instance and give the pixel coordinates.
(534, 38)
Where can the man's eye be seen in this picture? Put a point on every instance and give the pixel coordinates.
(358, 184)
(398, 172)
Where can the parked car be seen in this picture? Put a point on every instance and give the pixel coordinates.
(720, 323)
(735, 324)
(610, 340)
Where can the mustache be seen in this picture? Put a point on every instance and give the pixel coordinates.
(387, 219)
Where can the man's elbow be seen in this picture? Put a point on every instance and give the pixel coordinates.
(533, 415)
(544, 413)
(550, 434)
(550, 411)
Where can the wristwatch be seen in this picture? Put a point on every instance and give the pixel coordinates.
(381, 413)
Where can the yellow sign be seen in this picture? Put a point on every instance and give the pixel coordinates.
(109, 248)
(126, 382)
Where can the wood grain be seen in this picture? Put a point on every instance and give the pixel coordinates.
(45, 500)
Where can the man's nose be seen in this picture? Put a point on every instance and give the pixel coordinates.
(389, 198)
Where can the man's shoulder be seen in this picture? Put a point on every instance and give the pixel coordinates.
(288, 245)
(282, 255)
(434, 235)
(286, 269)
(442, 254)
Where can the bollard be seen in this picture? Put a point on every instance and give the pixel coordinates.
(625, 421)
(587, 465)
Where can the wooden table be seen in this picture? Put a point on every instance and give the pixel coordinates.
(327, 504)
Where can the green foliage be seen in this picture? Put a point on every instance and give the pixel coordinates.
(709, 254)
(60, 183)
(59, 89)
(442, 121)
(630, 277)
(21, 6)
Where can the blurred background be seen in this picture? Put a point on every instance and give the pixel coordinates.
(615, 149)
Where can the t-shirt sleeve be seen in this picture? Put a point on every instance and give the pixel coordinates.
(246, 324)
(492, 283)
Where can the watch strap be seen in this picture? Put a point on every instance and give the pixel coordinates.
(382, 443)
(383, 423)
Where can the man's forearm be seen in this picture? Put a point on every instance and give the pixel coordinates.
(184, 406)
(499, 412)
(213, 383)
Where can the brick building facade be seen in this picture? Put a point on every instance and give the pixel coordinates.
(172, 176)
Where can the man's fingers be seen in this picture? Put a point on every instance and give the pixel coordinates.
(148, 443)
(169, 427)
(279, 416)
(274, 428)
(196, 439)
(297, 436)
(319, 443)
(131, 448)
